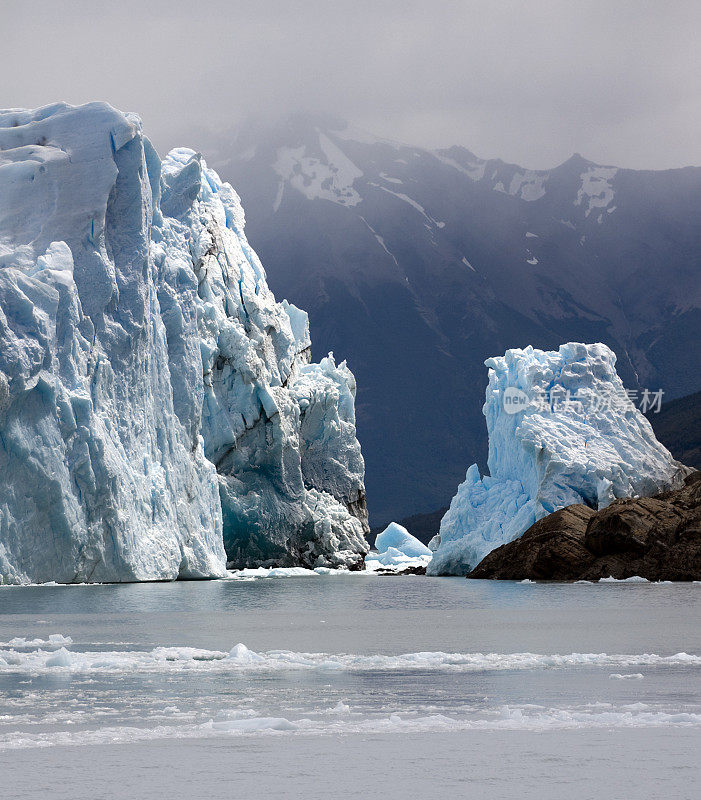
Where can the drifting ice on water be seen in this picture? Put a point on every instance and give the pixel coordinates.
(157, 405)
(397, 550)
(553, 452)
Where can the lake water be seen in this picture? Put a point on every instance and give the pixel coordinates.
(351, 686)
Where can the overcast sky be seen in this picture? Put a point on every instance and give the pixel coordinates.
(530, 81)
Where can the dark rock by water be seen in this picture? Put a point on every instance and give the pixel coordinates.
(658, 538)
(405, 571)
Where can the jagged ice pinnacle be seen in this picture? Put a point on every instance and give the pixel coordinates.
(156, 403)
(576, 438)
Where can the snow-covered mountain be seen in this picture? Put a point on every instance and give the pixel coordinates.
(418, 265)
(158, 407)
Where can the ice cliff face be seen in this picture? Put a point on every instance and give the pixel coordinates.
(562, 430)
(156, 402)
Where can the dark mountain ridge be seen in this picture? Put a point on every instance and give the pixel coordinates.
(417, 265)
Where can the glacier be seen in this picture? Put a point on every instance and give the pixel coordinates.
(562, 430)
(159, 412)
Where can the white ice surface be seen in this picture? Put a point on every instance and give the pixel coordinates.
(328, 176)
(149, 411)
(396, 549)
(596, 189)
(397, 536)
(550, 451)
(178, 659)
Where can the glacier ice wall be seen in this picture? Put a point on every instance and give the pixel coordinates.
(153, 394)
(576, 438)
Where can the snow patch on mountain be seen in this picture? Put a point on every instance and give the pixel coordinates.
(596, 190)
(410, 201)
(473, 169)
(528, 185)
(562, 430)
(330, 179)
(278, 196)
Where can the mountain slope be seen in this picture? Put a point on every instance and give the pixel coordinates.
(678, 427)
(418, 265)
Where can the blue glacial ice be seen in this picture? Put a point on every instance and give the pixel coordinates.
(397, 536)
(396, 548)
(156, 403)
(575, 437)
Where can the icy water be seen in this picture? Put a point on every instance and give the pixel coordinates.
(350, 686)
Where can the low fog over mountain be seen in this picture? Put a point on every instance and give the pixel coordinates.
(416, 265)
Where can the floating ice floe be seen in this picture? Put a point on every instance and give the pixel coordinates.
(632, 676)
(288, 572)
(174, 660)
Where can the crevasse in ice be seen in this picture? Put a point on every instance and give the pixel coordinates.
(562, 430)
(156, 402)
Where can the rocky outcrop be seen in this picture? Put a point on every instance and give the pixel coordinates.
(658, 538)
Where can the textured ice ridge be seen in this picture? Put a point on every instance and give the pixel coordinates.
(577, 438)
(156, 403)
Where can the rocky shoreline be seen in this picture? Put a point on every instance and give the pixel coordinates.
(657, 538)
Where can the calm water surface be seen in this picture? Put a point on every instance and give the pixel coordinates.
(345, 686)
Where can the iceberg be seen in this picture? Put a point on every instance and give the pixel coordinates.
(398, 537)
(159, 414)
(397, 549)
(562, 430)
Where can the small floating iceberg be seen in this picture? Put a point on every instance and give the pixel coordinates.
(397, 550)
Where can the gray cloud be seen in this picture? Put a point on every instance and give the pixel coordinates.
(531, 82)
